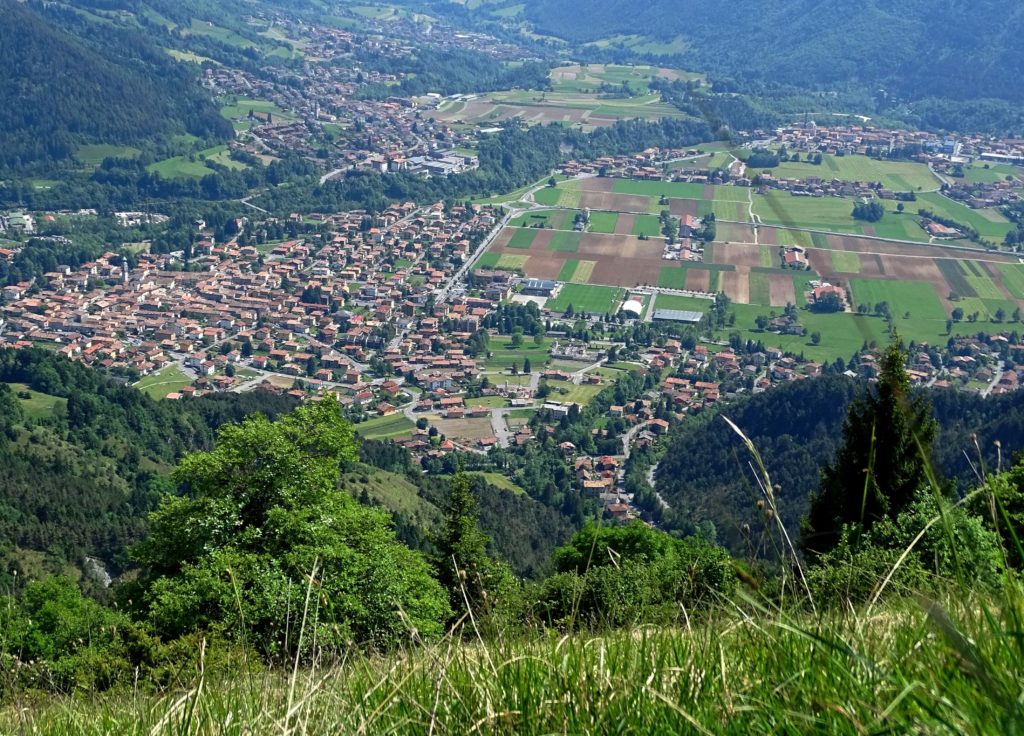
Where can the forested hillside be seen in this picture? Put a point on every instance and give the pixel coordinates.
(85, 458)
(957, 49)
(82, 455)
(68, 82)
(706, 473)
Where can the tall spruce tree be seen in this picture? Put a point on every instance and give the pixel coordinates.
(882, 462)
(463, 565)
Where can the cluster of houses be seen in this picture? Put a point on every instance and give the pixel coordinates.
(312, 309)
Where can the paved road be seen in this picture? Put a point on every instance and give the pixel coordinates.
(996, 378)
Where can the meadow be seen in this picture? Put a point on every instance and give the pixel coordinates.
(168, 380)
(899, 176)
(385, 428)
(948, 665)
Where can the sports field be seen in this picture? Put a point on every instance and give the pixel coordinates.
(586, 298)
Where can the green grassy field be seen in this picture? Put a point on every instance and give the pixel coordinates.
(392, 491)
(522, 238)
(167, 381)
(37, 405)
(385, 428)
(738, 666)
(503, 355)
(500, 481)
(568, 270)
(1013, 278)
(845, 262)
(988, 223)
(565, 242)
(557, 219)
(672, 190)
(649, 225)
(586, 298)
(603, 222)
(900, 176)
(571, 393)
(682, 303)
(93, 155)
(981, 172)
(236, 108)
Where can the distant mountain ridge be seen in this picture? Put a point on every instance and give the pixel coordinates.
(956, 49)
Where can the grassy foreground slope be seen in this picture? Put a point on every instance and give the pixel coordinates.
(900, 669)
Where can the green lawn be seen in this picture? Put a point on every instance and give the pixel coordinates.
(587, 298)
(571, 393)
(1013, 278)
(565, 242)
(500, 481)
(900, 176)
(522, 238)
(649, 225)
(93, 155)
(382, 428)
(556, 219)
(503, 355)
(845, 262)
(169, 380)
(37, 405)
(603, 222)
(672, 190)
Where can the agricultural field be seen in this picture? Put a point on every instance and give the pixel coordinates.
(385, 428)
(539, 219)
(574, 100)
(238, 108)
(93, 155)
(899, 176)
(603, 222)
(984, 173)
(166, 381)
(589, 299)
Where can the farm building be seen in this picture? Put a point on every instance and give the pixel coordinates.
(539, 287)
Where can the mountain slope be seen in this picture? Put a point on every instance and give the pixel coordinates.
(75, 82)
(958, 49)
(706, 474)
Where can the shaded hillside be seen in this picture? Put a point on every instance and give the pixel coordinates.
(70, 81)
(81, 459)
(706, 473)
(918, 48)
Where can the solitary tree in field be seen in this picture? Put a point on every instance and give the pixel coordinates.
(882, 462)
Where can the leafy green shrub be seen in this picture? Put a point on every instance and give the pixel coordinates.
(264, 548)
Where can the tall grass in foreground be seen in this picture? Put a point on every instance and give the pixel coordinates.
(950, 666)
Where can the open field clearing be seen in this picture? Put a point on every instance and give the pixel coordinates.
(614, 260)
(34, 404)
(566, 107)
(93, 155)
(899, 176)
(589, 299)
(385, 428)
(169, 380)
